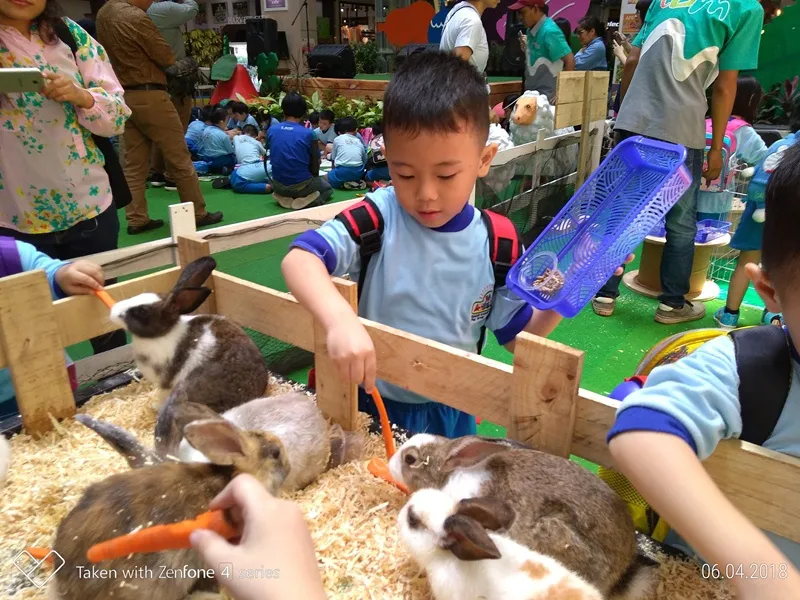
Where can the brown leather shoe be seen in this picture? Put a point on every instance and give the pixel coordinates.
(209, 219)
(149, 226)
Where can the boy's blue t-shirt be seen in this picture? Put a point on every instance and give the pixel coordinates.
(234, 124)
(31, 259)
(327, 136)
(195, 131)
(438, 283)
(248, 149)
(697, 399)
(348, 151)
(215, 142)
(290, 146)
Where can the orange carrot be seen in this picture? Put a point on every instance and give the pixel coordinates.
(386, 428)
(40, 554)
(173, 536)
(105, 297)
(379, 468)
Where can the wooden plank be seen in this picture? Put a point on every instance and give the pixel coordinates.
(337, 398)
(506, 156)
(89, 367)
(569, 115)
(271, 312)
(595, 416)
(134, 259)
(569, 87)
(763, 484)
(181, 222)
(34, 350)
(599, 85)
(80, 318)
(190, 248)
(544, 394)
(583, 152)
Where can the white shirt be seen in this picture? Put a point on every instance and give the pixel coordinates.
(463, 28)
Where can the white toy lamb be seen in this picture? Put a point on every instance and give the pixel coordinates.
(498, 178)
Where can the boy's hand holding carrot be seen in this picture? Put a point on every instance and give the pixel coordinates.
(80, 277)
(274, 537)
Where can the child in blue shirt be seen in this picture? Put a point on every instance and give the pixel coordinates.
(294, 159)
(685, 409)
(251, 174)
(65, 279)
(194, 133)
(348, 157)
(240, 116)
(325, 133)
(432, 276)
(217, 150)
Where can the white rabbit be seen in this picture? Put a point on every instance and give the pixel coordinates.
(463, 561)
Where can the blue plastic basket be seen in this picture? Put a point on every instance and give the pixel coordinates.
(609, 216)
(711, 229)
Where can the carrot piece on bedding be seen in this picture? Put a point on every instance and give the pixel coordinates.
(40, 554)
(386, 428)
(380, 469)
(105, 297)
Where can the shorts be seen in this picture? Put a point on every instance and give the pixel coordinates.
(748, 234)
(338, 176)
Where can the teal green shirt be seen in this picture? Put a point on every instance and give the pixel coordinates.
(684, 44)
(545, 54)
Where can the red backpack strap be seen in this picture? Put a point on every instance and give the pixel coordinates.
(364, 223)
(505, 247)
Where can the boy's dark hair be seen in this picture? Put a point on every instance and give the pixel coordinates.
(545, 9)
(207, 111)
(240, 108)
(748, 97)
(294, 105)
(313, 118)
(780, 248)
(590, 22)
(642, 6)
(346, 125)
(327, 115)
(436, 92)
(377, 129)
(218, 115)
(250, 130)
(565, 27)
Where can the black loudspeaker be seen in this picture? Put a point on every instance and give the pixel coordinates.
(513, 62)
(262, 36)
(283, 46)
(410, 49)
(335, 61)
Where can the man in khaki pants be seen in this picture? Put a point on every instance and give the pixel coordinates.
(139, 55)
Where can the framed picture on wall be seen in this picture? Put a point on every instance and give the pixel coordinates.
(274, 5)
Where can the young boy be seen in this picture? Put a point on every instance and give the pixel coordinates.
(348, 157)
(250, 177)
(377, 167)
(295, 159)
(216, 146)
(663, 431)
(240, 116)
(325, 133)
(432, 275)
(313, 121)
(65, 279)
(194, 133)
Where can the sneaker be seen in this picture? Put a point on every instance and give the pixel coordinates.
(771, 318)
(669, 315)
(726, 320)
(355, 185)
(221, 183)
(170, 185)
(157, 180)
(209, 219)
(149, 226)
(603, 307)
(296, 203)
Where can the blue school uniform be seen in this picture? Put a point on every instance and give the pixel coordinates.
(349, 157)
(434, 282)
(697, 400)
(291, 146)
(194, 134)
(217, 149)
(234, 124)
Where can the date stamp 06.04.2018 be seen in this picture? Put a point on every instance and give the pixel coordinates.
(745, 571)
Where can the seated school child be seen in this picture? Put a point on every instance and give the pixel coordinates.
(432, 274)
(250, 176)
(377, 167)
(216, 147)
(325, 133)
(240, 116)
(294, 159)
(194, 133)
(348, 157)
(749, 232)
(313, 121)
(744, 385)
(65, 279)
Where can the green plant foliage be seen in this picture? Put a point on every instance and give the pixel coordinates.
(368, 59)
(267, 65)
(780, 102)
(204, 44)
(365, 110)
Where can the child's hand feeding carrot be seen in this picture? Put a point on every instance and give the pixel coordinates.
(275, 538)
(80, 277)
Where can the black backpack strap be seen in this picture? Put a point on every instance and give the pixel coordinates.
(764, 364)
(505, 248)
(364, 223)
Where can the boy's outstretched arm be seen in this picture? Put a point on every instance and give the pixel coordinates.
(667, 472)
(541, 323)
(348, 342)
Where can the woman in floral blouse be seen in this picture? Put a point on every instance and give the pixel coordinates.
(54, 191)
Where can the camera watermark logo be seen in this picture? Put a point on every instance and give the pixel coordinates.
(34, 570)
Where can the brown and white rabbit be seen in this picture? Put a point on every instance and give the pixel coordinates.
(312, 446)
(214, 356)
(464, 561)
(165, 493)
(562, 509)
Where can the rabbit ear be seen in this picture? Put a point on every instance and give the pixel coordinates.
(195, 273)
(176, 413)
(187, 300)
(467, 540)
(491, 513)
(217, 439)
(470, 452)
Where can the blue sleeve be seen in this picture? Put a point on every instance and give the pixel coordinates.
(593, 57)
(750, 148)
(32, 259)
(334, 151)
(696, 398)
(510, 314)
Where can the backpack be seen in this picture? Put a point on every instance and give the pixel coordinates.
(364, 222)
(120, 192)
(764, 366)
(721, 183)
(376, 156)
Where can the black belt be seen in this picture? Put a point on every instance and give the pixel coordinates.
(146, 87)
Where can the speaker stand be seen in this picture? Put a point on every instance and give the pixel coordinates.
(308, 31)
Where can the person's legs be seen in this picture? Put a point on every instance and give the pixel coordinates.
(183, 106)
(241, 185)
(739, 280)
(378, 174)
(219, 164)
(137, 158)
(324, 188)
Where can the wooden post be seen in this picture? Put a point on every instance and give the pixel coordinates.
(544, 394)
(181, 222)
(583, 155)
(337, 399)
(32, 346)
(191, 248)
